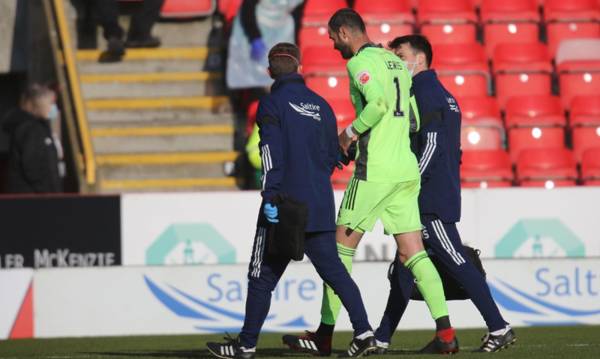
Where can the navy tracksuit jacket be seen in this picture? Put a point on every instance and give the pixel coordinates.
(437, 146)
(299, 149)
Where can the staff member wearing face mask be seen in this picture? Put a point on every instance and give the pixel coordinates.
(33, 156)
(437, 146)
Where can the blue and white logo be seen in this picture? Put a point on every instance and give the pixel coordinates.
(220, 307)
(551, 295)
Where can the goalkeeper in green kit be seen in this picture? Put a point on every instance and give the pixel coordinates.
(386, 181)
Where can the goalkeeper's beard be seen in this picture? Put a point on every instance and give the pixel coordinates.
(345, 51)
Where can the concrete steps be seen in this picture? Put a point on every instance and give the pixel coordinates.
(160, 120)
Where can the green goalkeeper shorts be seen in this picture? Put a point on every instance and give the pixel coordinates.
(395, 204)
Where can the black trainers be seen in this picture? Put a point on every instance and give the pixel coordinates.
(359, 348)
(438, 346)
(230, 349)
(309, 343)
(114, 51)
(382, 347)
(494, 343)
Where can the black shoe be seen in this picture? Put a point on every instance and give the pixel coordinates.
(309, 343)
(114, 52)
(438, 346)
(359, 348)
(230, 349)
(149, 42)
(494, 343)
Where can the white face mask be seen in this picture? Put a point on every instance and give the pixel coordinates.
(411, 66)
(53, 113)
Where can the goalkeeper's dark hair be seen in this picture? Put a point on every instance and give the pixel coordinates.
(346, 17)
(419, 43)
(284, 58)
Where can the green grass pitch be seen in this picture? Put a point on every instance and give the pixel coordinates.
(551, 342)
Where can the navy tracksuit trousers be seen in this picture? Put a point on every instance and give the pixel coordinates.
(264, 272)
(441, 239)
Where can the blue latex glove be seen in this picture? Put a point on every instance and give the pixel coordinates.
(271, 212)
(258, 49)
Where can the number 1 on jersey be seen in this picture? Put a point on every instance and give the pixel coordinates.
(398, 111)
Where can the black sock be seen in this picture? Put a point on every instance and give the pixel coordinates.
(442, 323)
(325, 330)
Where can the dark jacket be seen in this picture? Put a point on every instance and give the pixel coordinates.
(299, 148)
(33, 159)
(437, 146)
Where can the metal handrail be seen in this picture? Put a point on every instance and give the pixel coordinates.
(74, 84)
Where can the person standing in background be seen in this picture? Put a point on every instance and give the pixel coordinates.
(34, 153)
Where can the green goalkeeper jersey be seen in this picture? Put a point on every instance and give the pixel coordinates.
(386, 112)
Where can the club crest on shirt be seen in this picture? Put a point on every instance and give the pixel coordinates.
(363, 77)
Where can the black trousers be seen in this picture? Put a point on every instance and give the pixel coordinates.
(141, 22)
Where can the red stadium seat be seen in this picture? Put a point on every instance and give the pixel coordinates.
(449, 33)
(465, 85)
(509, 11)
(482, 134)
(434, 11)
(187, 8)
(560, 31)
(460, 57)
(344, 112)
(578, 55)
(510, 32)
(478, 106)
(546, 167)
(340, 178)
(521, 57)
(251, 116)
(575, 84)
(585, 111)
(322, 59)
(313, 36)
(531, 111)
(449, 22)
(590, 167)
(318, 12)
(585, 138)
(384, 32)
(521, 84)
(485, 168)
(536, 137)
(377, 12)
(561, 10)
(330, 87)
(229, 8)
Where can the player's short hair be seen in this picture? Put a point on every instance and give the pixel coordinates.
(284, 58)
(419, 43)
(346, 17)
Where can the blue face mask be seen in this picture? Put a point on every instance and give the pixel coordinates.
(53, 113)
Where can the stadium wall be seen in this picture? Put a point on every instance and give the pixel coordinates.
(210, 298)
(193, 228)
(185, 258)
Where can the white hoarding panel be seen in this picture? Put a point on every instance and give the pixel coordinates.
(193, 228)
(15, 303)
(211, 298)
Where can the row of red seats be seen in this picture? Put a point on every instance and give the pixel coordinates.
(517, 69)
(547, 168)
(554, 167)
(455, 21)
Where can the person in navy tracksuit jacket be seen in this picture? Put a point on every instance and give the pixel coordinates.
(299, 150)
(437, 146)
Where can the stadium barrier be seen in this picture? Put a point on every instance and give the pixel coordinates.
(194, 228)
(210, 298)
